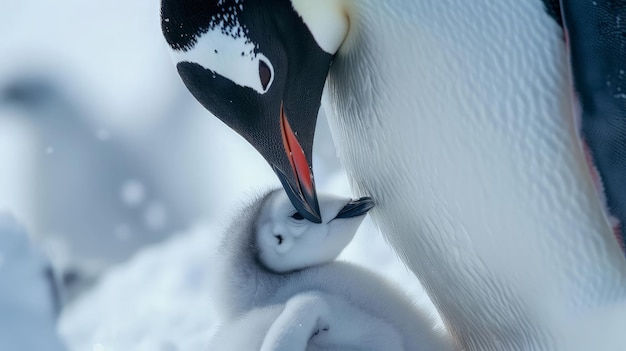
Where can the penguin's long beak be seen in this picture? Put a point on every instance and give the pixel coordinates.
(299, 185)
(265, 83)
(263, 121)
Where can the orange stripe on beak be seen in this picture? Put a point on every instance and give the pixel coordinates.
(296, 156)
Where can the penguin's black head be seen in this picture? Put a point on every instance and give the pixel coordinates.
(257, 67)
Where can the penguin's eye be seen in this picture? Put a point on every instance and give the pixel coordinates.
(279, 238)
(265, 74)
(297, 216)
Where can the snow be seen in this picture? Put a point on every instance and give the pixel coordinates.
(133, 192)
(113, 96)
(161, 299)
(157, 301)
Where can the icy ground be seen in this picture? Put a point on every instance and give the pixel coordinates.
(161, 299)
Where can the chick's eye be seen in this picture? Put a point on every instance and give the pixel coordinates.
(297, 216)
(279, 238)
(265, 74)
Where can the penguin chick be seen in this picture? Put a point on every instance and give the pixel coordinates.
(280, 284)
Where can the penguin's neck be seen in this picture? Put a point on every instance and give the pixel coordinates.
(246, 283)
(455, 116)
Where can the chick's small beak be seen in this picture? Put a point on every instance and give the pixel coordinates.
(356, 208)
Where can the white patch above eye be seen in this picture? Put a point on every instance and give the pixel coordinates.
(326, 19)
(227, 55)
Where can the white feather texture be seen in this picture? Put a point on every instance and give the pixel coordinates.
(456, 117)
(326, 19)
(326, 305)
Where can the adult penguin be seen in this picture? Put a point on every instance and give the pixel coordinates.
(457, 118)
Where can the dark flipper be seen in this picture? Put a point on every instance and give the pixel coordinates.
(596, 33)
(553, 8)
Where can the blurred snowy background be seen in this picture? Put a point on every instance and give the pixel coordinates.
(115, 184)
